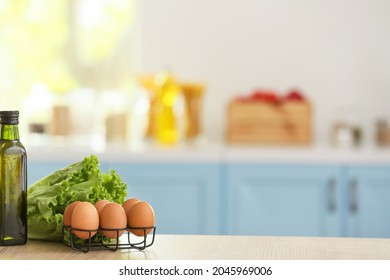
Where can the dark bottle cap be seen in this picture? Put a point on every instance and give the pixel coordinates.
(9, 117)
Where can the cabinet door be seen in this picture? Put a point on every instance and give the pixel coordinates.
(283, 200)
(39, 170)
(367, 197)
(184, 196)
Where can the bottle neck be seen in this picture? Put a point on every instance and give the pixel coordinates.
(9, 132)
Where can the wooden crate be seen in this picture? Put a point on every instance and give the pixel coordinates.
(287, 123)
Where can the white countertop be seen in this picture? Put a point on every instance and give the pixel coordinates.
(216, 153)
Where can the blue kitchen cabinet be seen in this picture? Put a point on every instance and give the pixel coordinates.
(185, 196)
(256, 199)
(367, 201)
(39, 170)
(282, 200)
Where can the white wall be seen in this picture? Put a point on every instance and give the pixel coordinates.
(337, 52)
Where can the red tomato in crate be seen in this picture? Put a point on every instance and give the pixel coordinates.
(265, 96)
(294, 95)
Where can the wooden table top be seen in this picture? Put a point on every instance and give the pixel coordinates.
(209, 247)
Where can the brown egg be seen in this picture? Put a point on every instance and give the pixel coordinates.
(100, 204)
(67, 221)
(85, 217)
(112, 216)
(140, 215)
(129, 202)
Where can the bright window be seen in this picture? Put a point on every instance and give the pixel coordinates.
(63, 45)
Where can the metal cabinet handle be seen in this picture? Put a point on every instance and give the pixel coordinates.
(332, 195)
(353, 198)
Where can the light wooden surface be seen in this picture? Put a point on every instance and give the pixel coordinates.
(263, 123)
(191, 247)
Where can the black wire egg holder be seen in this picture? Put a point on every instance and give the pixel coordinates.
(97, 241)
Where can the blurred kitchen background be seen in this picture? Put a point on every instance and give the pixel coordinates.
(271, 109)
(83, 54)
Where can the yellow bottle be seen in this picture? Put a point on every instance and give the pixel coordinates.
(193, 94)
(167, 93)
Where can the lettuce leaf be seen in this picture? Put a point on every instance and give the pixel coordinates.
(82, 181)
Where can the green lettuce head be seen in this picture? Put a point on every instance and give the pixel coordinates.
(82, 181)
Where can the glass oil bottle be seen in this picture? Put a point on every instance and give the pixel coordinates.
(13, 182)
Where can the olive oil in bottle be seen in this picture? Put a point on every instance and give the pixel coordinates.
(166, 121)
(13, 182)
